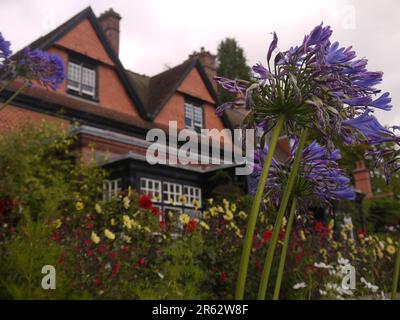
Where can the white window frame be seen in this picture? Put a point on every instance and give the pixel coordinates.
(111, 188)
(195, 115)
(81, 79)
(172, 192)
(152, 188)
(191, 193)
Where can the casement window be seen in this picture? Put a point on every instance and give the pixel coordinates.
(111, 188)
(168, 194)
(193, 116)
(192, 193)
(81, 79)
(172, 192)
(152, 188)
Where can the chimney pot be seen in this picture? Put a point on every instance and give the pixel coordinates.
(109, 21)
(209, 63)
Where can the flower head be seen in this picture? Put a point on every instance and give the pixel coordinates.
(41, 66)
(109, 234)
(145, 202)
(5, 50)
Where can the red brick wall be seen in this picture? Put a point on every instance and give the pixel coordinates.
(83, 39)
(362, 179)
(12, 118)
(194, 86)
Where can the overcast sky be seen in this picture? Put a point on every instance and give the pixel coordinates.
(160, 33)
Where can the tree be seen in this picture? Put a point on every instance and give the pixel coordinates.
(231, 63)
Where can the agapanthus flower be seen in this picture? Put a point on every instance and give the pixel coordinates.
(41, 66)
(319, 181)
(317, 84)
(5, 50)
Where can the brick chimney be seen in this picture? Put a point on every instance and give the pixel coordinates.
(109, 21)
(362, 179)
(209, 63)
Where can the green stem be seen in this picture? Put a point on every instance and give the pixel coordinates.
(16, 93)
(282, 209)
(396, 274)
(255, 208)
(284, 250)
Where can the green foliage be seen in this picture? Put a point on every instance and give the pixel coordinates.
(231, 64)
(39, 177)
(382, 213)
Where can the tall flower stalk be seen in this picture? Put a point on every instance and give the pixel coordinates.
(255, 208)
(278, 222)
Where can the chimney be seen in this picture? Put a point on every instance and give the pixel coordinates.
(362, 179)
(109, 21)
(209, 63)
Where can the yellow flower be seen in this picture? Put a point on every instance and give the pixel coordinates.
(284, 221)
(228, 215)
(242, 215)
(391, 249)
(129, 191)
(213, 211)
(205, 214)
(147, 229)
(389, 240)
(379, 253)
(204, 225)
(127, 239)
(210, 201)
(323, 252)
(170, 214)
(109, 234)
(302, 235)
(113, 222)
(79, 206)
(350, 241)
(97, 208)
(184, 218)
(182, 199)
(95, 238)
(126, 202)
(334, 245)
(344, 235)
(57, 223)
(127, 222)
(233, 207)
(238, 233)
(196, 204)
(331, 224)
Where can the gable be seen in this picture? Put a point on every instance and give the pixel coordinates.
(83, 39)
(194, 86)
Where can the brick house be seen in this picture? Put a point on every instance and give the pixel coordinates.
(116, 107)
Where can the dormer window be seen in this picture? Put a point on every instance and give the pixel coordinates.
(193, 116)
(81, 79)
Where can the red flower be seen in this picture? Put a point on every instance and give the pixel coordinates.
(89, 253)
(163, 225)
(258, 264)
(155, 211)
(267, 235)
(145, 202)
(281, 235)
(322, 229)
(56, 235)
(113, 254)
(97, 282)
(101, 249)
(223, 277)
(361, 233)
(191, 226)
(90, 226)
(141, 261)
(125, 249)
(115, 269)
(87, 242)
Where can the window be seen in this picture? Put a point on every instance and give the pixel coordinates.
(193, 116)
(192, 193)
(111, 188)
(152, 188)
(172, 192)
(81, 79)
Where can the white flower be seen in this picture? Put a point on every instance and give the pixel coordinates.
(299, 285)
(322, 292)
(369, 285)
(343, 261)
(322, 265)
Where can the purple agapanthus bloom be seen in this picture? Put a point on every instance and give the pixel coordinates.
(41, 66)
(5, 50)
(338, 55)
(383, 102)
(272, 46)
(319, 180)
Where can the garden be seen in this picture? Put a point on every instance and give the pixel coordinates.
(264, 245)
